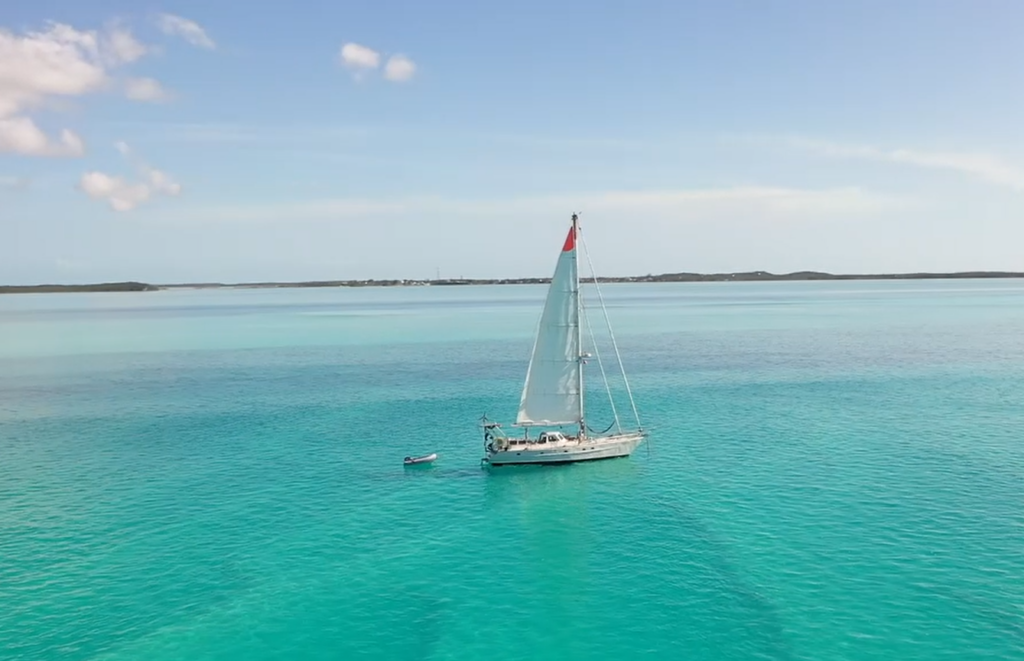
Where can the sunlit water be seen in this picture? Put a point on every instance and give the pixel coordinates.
(836, 471)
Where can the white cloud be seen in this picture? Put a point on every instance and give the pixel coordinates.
(985, 167)
(121, 195)
(20, 135)
(124, 195)
(145, 89)
(399, 69)
(357, 57)
(59, 61)
(188, 30)
(362, 59)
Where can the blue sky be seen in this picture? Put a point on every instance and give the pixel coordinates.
(195, 141)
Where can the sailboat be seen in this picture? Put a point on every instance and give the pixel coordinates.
(553, 394)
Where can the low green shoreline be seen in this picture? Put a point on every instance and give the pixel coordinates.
(56, 289)
(748, 276)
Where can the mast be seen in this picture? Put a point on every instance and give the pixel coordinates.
(579, 314)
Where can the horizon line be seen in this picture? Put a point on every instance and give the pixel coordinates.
(737, 276)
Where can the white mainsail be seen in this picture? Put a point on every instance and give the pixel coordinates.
(552, 394)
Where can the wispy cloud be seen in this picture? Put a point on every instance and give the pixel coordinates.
(122, 46)
(326, 209)
(8, 182)
(145, 89)
(186, 29)
(122, 194)
(982, 166)
(228, 133)
(562, 141)
(771, 204)
(290, 136)
(201, 133)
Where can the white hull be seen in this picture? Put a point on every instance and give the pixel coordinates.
(587, 449)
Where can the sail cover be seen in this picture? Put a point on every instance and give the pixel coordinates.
(552, 392)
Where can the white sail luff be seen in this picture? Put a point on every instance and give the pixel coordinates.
(552, 393)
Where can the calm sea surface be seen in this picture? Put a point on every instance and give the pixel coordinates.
(836, 471)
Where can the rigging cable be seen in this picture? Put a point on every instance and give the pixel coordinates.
(600, 363)
(593, 431)
(615, 345)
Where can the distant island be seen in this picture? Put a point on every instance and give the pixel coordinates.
(746, 276)
(57, 289)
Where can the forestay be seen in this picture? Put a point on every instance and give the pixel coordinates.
(552, 394)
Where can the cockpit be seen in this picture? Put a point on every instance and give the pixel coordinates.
(551, 437)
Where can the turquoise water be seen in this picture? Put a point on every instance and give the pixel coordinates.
(836, 471)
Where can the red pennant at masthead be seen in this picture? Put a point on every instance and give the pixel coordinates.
(570, 241)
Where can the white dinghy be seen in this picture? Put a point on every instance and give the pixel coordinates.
(425, 459)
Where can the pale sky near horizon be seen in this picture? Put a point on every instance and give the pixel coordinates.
(198, 141)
